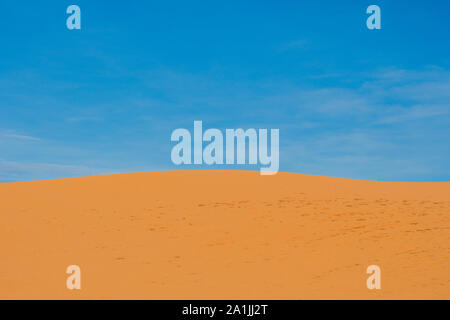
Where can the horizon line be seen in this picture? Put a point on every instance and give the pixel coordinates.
(256, 172)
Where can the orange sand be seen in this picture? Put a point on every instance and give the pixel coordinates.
(224, 235)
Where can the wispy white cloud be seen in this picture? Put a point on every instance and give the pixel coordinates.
(24, 171)
(417, 112)
(387, 96)
(20, 137)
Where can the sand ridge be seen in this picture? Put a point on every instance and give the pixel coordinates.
(224, 235)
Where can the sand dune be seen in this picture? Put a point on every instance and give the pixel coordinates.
(224, 235)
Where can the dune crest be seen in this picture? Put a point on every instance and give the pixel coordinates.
(224, 235)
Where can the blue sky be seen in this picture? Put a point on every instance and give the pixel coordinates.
(349, 102)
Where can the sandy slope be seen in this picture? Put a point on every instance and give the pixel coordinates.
(224, 234)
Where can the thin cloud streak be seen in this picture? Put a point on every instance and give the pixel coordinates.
(21, 137)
